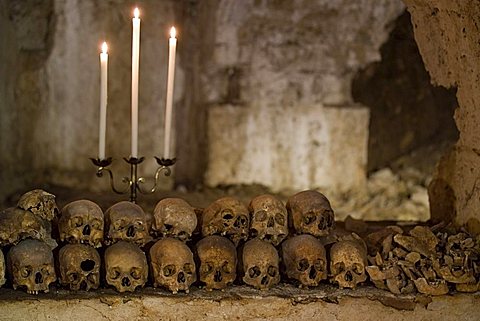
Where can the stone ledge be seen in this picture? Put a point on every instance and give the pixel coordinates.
(284, 302)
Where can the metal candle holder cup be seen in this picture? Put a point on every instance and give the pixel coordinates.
(133, 181)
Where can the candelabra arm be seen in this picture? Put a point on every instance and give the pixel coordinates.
(160, 169)
(102, 167)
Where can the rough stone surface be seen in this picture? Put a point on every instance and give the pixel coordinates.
(448, 33)
(280, 303)
(298, 148)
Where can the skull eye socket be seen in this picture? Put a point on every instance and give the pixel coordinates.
(280, 218)
(303, 265)
(254, 272)
(309, 218)
(339, 267)
(136, 273)
(26, 271)
(96, 224)
(319, 266)
(241, 221)
(73, 277)
(272, 271)
(188, 268)
(183, 236)
(207, 267)
(357, 268)
(226, 267)
(169, 270)
(260, 216)
(227, 215)
(115, 274)
(76, 221)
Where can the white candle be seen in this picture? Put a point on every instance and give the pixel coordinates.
(170, 81)
(103, 100)
(135, 63)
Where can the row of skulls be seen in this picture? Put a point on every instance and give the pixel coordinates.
(252, 242)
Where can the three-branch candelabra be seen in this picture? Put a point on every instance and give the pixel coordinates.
(134, 182)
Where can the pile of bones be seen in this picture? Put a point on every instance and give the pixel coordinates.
(225, 244)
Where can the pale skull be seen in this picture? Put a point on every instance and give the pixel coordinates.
(126, 266)
(79, 267)
(174, 217)
(305, 259)
(218, 262)
(348, 259)
(172, 265)
(228, 217)
(310, 213)
(260, 264)
(30, 264)
(81, 222)
(40, 203)
(128, 222)
(17, 224)
(268, 219)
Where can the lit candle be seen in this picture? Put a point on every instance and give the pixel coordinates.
(170, 80)
(135, 62)
(103, 100)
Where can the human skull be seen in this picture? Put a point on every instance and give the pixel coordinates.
(128, 222)
(79, 267)
(268, 219)
(17, 224)
(126, 266)
(348, 259)
(81, 222)
(310, 213)
(260, 264)
(172, 265)
(305, 259)
(226, 216)
(218, 262)
(174, 217)
(30, 264)
(39, 203)
(2, 269)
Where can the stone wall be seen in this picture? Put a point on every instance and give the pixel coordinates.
(448, 34)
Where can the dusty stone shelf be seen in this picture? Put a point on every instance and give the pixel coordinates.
(283, 302)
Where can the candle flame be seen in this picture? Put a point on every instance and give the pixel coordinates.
(173, 32)
(104, 47)
(136, 13)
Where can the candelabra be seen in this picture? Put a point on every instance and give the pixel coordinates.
(133, 181)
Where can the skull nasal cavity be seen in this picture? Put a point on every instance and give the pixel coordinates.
(131, 231)
(86, 230)
(348, 276)
(38, 278)
(218, 276)
(125, 281)
(181, 277)
(270, 222)
(313, 273)
(87, 265)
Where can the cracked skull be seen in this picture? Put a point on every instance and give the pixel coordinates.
(226, 216)
(30, 264)
(81, 222)
(260, 264)
(39, 203)
(268, 219)
(126, 266)
(305, 259)
(172, 265)
(310, 213)
(348, 259)
(79, 267)
(128, 222)
(218, 262)
(17, 224)
(174, 217)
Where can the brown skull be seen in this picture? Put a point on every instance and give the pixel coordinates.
(218, 262)
(260, 264)
(126, 266)
(128, 222)
(172, 265)
(17, 224)
(348, 259)
(268, 219)
(30, 264)
(81, 222)
(79, 267)
(39, 203)
(305, 259)
(173, 217)
(226, 216)
(310, 213)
